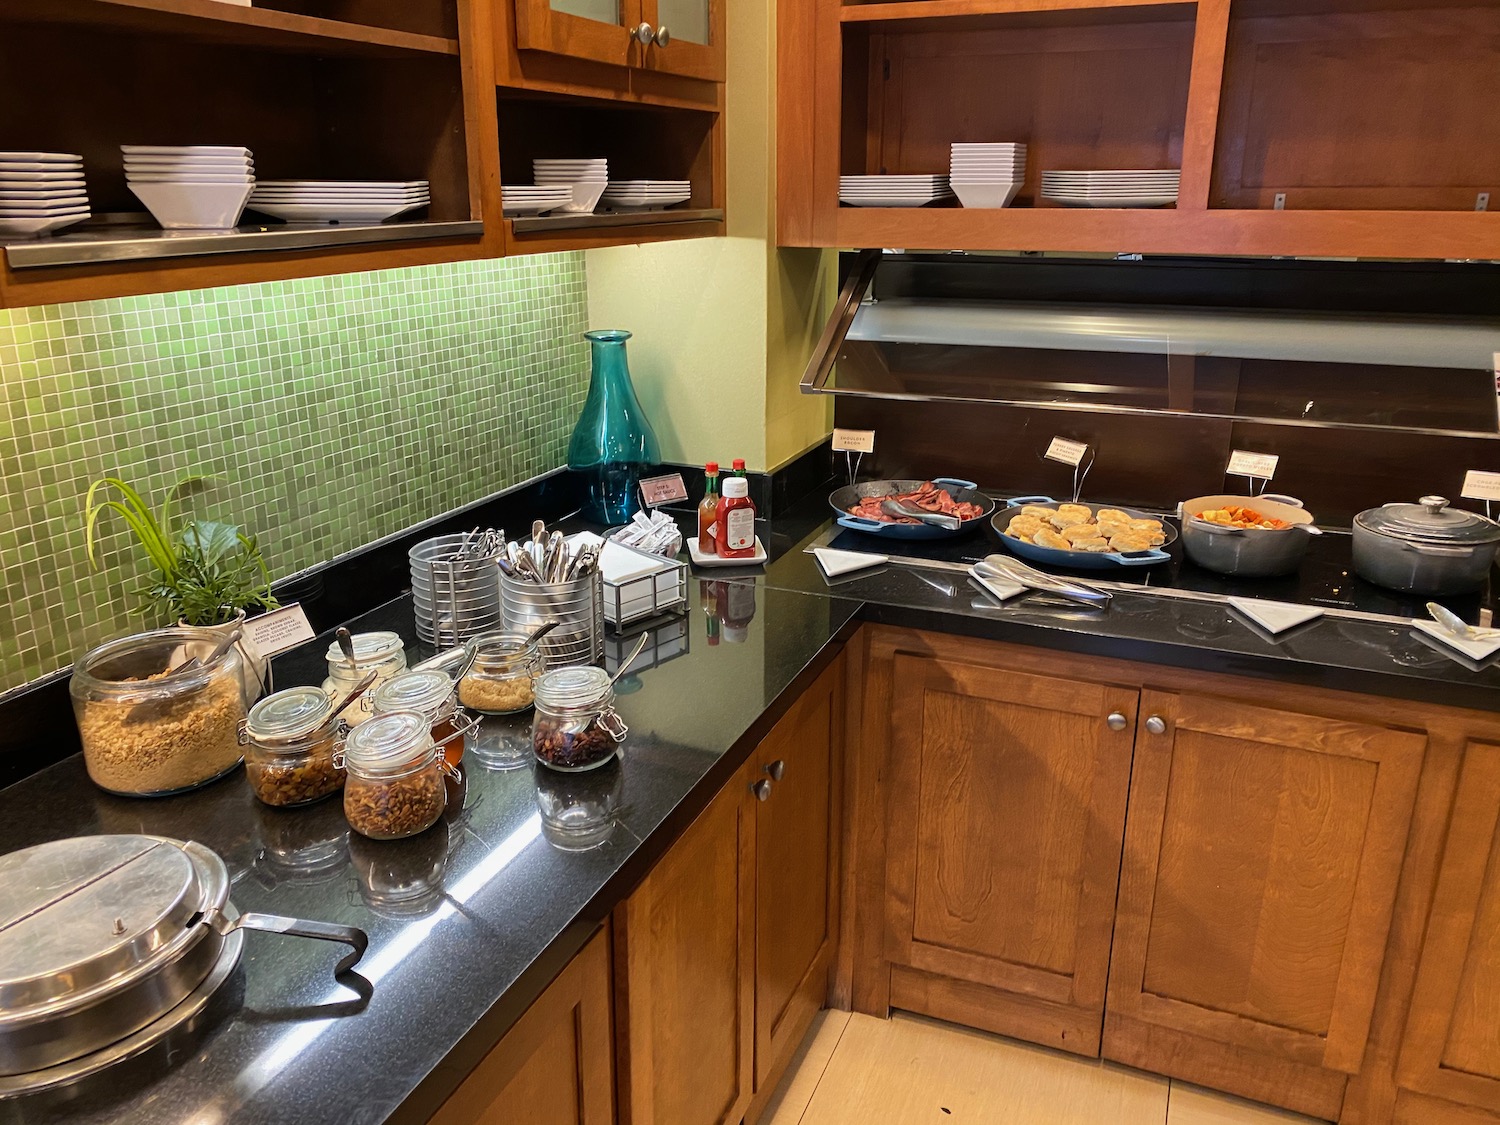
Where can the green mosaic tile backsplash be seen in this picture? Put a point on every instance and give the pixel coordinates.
(330, 411)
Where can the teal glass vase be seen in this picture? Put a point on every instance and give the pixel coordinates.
(613, 442)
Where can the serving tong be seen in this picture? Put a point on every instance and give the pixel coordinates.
(1007, 568)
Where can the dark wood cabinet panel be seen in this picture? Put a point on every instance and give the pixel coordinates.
(976, 754)
(1261, 860)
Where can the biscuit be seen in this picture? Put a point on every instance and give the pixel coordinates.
(1036, 510)
(1081, 531)
(1049, 538)
(1098, 546)
(1129, 541)
(1025, 525)
(1114, 514)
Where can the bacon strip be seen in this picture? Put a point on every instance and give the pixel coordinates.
(929, 497)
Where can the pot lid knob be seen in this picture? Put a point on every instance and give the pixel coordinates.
(1434, 504)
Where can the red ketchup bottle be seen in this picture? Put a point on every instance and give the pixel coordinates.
(736, 525)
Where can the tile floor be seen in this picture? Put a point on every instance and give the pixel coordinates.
(908, 1070)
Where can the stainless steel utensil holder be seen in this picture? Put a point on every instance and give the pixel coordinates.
(454, 599)
(578, 606)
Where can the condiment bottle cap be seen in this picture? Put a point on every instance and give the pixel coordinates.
(736, 487)
(711, 467)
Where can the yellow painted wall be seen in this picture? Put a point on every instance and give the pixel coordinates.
(724, 325)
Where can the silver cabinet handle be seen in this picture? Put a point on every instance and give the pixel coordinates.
(1156, 725)
(643, 34)
(762, 790)
(1116, 721)
(776, 769)
(663, 36)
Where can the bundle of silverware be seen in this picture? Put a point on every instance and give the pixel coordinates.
(546, 557)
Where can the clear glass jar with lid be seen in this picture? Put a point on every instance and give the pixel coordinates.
(383, 653)
(429, 692)
(149, 730)
(290, 739)
(576, 726)
(502, 678)
(395, 776)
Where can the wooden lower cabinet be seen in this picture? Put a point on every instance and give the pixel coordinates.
(1006, 811)
(555, 1066)
(1262, 855)
(1451, 1049)
(722, 954)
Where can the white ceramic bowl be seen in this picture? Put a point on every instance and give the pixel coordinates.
(985, 195)
(178, 206)
(188, 178)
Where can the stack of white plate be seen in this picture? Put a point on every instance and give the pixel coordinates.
(1121, 188)
(893, 191)
(191, 187)
(41, 192)
(986, 175)
(534, 199)
(338, 201)
(587, 178)
(646, 195)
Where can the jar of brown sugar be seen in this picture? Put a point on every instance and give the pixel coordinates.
(575, 726)
(431, 694)
(395, 776)
(501, 679)
(290, 740)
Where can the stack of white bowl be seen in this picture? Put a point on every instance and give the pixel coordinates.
(587, 178)
(646, 195)
(191, 187)
(893, 191)
(339, 201)
(41, 192)
(986, 175)
(534, 199)
(1112, 188)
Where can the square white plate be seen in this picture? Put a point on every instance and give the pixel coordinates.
(46, 157)
(65, 207)
(183, 150)
(41, 178)
(41, 224)
(43, 197)
(335, 212)
(391, 185)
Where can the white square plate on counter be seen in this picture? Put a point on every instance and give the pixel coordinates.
(703, 558)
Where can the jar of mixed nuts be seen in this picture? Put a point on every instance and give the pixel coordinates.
(395, 783)
(290, 739)
(383, 653)
(430, 693)
(501, 679)
(575, 727)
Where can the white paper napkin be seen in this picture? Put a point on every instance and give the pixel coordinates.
(835, 562)
(1481, 648)
(1275, 617)
(997, 586)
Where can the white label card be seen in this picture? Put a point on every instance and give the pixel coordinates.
(1066, 451)
(1480, 485)
(277, 631)
(1243, 463)
(656, 491)
(854, 441)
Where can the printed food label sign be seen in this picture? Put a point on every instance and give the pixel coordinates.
(1066, 451)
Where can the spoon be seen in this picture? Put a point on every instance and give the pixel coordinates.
(1453, 623)
(541, 631)
(346, 645)
(639, 647)
(227, 641)
(893, 507)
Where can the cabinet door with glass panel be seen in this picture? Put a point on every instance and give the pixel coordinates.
(601, 30)
(684, 37)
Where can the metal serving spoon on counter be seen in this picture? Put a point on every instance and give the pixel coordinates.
(1453, 623)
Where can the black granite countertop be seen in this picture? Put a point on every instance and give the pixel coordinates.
(470, 921)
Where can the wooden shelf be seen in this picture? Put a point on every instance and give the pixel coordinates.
(614, 220)
(1090, 11)
(1333, 234)
(213, 21)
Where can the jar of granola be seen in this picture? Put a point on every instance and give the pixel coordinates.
(501, 679)
(395, 776)
(149, 730)
(431, 693)
(575, 727)
(290, 739)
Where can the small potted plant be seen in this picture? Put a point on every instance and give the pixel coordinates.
(206, 573)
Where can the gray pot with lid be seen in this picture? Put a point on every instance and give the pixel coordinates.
(1425, 548)
(103, 938)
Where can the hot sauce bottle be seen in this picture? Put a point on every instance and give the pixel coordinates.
(708, 510)
(736, 529)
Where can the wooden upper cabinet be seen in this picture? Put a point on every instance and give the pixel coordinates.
(599, 30)
(555, 1066)
(1007, 800)
(1261, 860)
(796, 851)
(689, 37)
(1451, 1048)
(684, 965)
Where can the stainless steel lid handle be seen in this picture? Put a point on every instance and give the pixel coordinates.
(356, 939)
(1434, 504)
